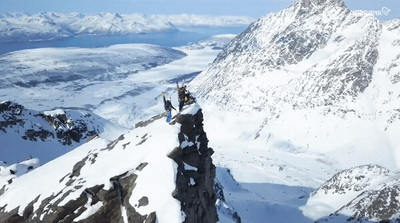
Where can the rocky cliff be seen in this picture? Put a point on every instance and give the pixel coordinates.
(196, 172)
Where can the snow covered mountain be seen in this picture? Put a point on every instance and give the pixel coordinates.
(51, 25)
(47, 26)
(364, 193)
(314, 80)
(154, 173)
(25, 27)
(27, 133)
(311, 74)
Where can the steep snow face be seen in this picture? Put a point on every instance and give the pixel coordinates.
(26, 133)
(315, 77)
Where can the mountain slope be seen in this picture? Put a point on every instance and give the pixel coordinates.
(358, 194)
(317, 82)
(311, 74)
(149, 174)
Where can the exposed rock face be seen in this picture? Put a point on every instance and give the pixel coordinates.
(196, 172)
(60, 127)
(51, 210)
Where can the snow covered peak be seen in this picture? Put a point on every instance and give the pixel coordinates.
(320, 3)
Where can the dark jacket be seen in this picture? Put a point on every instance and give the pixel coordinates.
(168, 105)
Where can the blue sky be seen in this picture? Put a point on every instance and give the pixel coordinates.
(252, 8)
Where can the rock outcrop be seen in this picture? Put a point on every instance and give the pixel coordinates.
(196, 172)
(15, 117)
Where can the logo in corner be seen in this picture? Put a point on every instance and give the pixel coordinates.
(386, 11)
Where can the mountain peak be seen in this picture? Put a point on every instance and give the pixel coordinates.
(307, 7)
(319, 3)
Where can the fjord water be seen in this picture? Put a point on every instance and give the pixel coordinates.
(168, 39)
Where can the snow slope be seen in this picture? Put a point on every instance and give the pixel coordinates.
(150, 145)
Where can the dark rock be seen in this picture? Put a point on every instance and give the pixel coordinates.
(151, 120)
(144, 201)
(29, 209)
(198, 198)
(76, 170)
(141, 166)
(151, 218)
(112, 144)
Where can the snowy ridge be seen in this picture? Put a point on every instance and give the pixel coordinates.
(119, 180)
(51, 25)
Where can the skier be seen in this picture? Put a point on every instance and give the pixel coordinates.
(181, 95)
(168, 107)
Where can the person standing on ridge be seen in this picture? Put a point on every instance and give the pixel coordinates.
(181, 95)
(168, 107)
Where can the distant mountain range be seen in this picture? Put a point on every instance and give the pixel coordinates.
(48, 26)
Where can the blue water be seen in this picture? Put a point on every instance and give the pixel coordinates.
(169, 39)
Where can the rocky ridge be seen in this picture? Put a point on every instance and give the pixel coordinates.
(66, 127)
